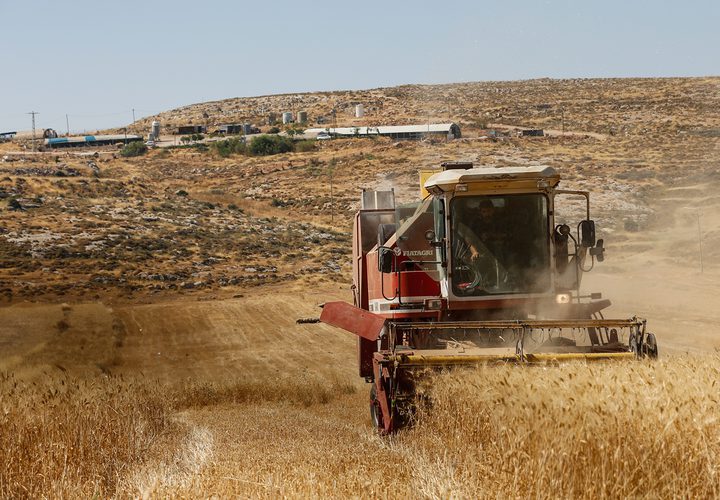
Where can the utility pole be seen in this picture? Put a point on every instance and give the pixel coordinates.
(33, 113)
(331, 171)
(67, 124)
(332, 204)
(133, 110)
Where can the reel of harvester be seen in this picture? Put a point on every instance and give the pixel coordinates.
(411, 349)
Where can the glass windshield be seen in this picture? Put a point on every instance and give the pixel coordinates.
(500, 244)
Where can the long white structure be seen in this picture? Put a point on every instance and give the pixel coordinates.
(447, 130)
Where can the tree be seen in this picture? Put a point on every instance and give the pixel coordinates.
(270, 145)
(136, 148)
(294, 130)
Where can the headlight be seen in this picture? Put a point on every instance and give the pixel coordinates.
(562, 298)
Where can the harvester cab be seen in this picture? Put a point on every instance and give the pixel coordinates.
(484, 268)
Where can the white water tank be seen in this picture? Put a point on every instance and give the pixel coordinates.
(287, 117)
(155, 130)
(359, 111)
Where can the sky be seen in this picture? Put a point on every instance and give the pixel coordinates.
(97, 61)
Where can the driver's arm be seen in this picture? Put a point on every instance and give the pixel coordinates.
(471, 239)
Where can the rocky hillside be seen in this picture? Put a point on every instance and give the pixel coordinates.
(607, 106)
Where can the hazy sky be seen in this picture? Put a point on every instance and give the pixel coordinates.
(96, 60)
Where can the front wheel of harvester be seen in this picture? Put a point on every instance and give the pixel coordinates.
(650, 348)
(375, 411)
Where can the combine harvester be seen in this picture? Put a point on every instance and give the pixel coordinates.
(483, 269)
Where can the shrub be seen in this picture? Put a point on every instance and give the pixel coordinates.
(229, 146)
(305, 146)
(273, 130)
(133, 149)
(270, 145)
(294, 130)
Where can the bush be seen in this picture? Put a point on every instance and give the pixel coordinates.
(229, 146)
(270, 145)
(273, 130)
(187, 139)
(133, 149)
(305, 146)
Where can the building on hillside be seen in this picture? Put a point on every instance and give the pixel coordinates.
(230, 129)
(91, 140)
(237, 128)
(7, 136)
(191, 129)
(398, 132)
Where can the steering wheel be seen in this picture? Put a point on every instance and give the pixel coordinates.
(466, 275)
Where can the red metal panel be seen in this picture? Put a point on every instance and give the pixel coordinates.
(353, 319)
(413, 283)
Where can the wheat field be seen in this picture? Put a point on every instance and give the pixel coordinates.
(639, 429)
(584, 431)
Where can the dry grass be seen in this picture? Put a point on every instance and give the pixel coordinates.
(571, 431)
(580, 431)
(69, 438)
(302, 390)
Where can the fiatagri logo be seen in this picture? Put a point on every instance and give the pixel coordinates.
(413, 253)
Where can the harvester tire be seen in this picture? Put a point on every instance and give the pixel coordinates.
(375, 411)
(650, 349)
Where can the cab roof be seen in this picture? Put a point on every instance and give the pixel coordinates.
(448, 179)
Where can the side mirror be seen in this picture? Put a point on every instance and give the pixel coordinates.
(385, 258)
(598, 251)
(431, 238)
(587, 233)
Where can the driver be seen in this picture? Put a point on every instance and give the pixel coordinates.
(480, 240)
(483, 220)
(478, 227)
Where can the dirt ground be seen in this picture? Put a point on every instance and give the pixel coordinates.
(206, 286)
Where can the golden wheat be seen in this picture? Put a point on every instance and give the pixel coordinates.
(68, 438)
(574, 431)
(581, 431)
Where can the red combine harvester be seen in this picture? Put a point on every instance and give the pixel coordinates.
(484, 269)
